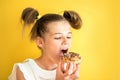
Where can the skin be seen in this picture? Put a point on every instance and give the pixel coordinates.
(57, 37)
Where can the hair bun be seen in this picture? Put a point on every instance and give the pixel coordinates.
(73, 18)
(29, 15)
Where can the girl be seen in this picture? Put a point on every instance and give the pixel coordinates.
(52, 34)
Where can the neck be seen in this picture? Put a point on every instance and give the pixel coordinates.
(47, 62)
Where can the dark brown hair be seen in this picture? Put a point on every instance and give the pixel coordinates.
(29, 16)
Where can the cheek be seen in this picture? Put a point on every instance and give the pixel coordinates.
(53, 43)
(53, 46)
(56, 43)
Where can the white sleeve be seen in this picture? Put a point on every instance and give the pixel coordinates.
(13, 74)
(25, 69)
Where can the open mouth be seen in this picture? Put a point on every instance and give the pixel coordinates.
(64, 51)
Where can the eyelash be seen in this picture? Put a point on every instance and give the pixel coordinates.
(69, 37)
(57, 38)
(60, 38)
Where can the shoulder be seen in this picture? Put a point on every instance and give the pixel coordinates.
(19, 74)
(21, 71)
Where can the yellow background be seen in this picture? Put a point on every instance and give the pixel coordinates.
(98, 41)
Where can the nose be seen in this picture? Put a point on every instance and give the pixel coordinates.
(65, 41)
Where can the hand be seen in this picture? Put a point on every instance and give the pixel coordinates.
(71, 72)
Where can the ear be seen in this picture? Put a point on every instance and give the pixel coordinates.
(39, 42)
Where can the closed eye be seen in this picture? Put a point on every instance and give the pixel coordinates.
(68, 37)
(57, 38)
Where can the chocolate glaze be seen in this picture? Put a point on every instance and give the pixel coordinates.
(71, 56)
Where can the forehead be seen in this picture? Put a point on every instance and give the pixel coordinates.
(58, 26)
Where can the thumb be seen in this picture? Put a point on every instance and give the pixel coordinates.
(59, 68)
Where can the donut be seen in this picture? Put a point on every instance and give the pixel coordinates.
(71, 57)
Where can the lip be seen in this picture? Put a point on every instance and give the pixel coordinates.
(61, 53)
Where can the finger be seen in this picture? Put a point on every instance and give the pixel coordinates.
(77, 66)
(75, 75)
(67, 69)
(59, 68)
(76, 72)
(74, 66)
(70, 70)
(62, 66)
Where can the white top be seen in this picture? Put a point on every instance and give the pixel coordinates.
(32, 71)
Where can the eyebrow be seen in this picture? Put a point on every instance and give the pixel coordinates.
(61, 33)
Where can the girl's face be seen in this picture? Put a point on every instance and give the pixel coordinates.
(57, 40)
